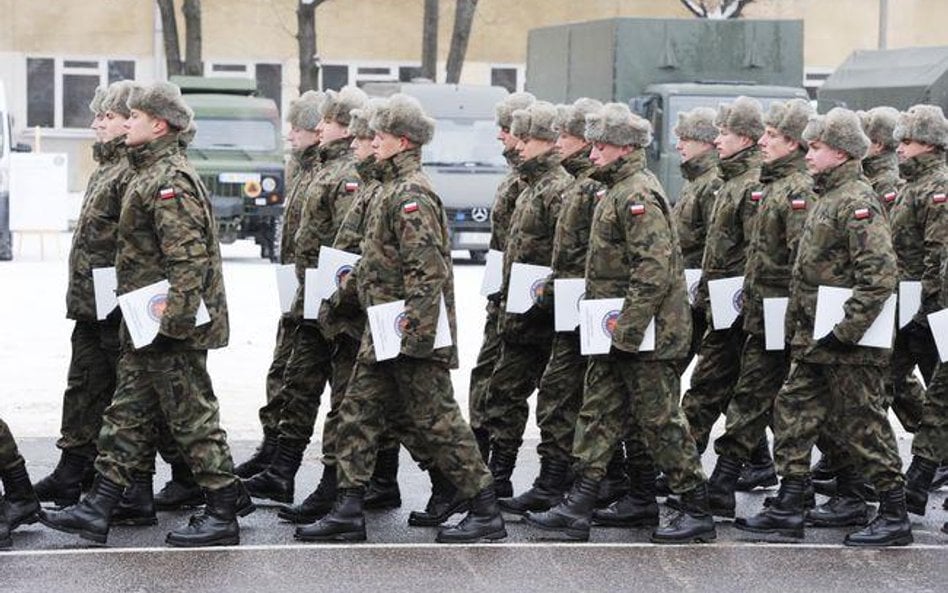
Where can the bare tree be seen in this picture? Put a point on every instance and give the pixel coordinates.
(463, 21)
(306, 38)
(192, 38)
(716, 9)
(429, 40)
(169, 34)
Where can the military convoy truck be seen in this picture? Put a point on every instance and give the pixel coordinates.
(238, 152)
(663, 66)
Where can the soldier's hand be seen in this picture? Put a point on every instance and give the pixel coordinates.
(624, 355)
(495, 298)
(163, 343)
(537, 314)
(916, 332)
(831, 342)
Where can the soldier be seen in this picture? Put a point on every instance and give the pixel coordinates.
(881, 165)
(18, 505)
(845, 243)
(406, 254)
(561, 387)
(325, 202)
(634, 254)
(526, 338)
(167, 232)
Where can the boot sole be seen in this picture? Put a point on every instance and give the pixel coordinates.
(84, 534)
(135, 522)
(27, 520)
(170, 508)
(489, 537)
(282, 499)
(415, 521)
(228, 541)
(916, 510)
(849, 522)
(573, 535)
(632, 523)
(899, 541)
(301, 519)
(385, 505)
(335, 537)
(701, 538)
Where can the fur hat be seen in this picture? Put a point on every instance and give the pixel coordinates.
(116, 98)
(162, 100)
(504, 109)
(95, 105)
(923, 123)
(615, 124)
(697, 124)
(359, 118)
(186, 135)
(878, 123)
(536, 121)
(571, 119)
(841, 129)
(336, 106)
(403, 116)
(744, 117)
(304, 112)
(790, 117)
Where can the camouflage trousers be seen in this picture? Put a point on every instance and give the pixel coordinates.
(903, 393)
(847, 398)
(90, 384)
(308, 370)
(931, 440)
(271, 411)
(640, 397)
(415, 398)
(560, 396)
(483, 369)
(171, 388)
(344, 350)
(713, 380)
(9, 454)
(751, 409)
(516, 376)
(699, 325)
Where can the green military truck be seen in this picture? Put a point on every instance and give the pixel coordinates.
(238, 152)
(663, 66)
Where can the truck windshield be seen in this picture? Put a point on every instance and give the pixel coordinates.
(464, 142)
(679, 103)
(248, 135)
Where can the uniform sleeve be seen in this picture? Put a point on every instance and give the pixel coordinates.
(307, 236)
(935, 237)
(102, 236)
(800, 206)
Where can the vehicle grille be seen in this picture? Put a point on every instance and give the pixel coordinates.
(224, 190)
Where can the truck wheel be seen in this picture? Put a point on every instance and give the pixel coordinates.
(478, 256)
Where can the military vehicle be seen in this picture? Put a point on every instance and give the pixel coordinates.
(464, 160)
(663, 66)
(238, 152)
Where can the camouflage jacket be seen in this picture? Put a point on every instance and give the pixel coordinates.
(530, 240)
(634, 254)
(307, 165)
(406, 254)
(787, 199)
(845, 243)
(571, 238)
(725, 250)
(695, 205)
(919, 221)
(505, 199)
(167, 231)
(883, 173)
(94, 240)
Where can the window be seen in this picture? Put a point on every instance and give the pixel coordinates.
(269, 76)
(505, 77)
(40, 92)
(242, 135)
(59, 90)
(408, 73)
(334, 76)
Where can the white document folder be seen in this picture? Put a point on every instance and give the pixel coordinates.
(597, 324)
(775, 316)
(568, 293)
(287, 285)
(493, 272)
(526, 282)
(142, 310)
(385, 324)
(104, 284)
(829, 311)
(333, 265)
(726, 300)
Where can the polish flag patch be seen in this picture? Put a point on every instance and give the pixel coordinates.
(409, 207)
(798, 204)
(939, 198)
(637, 209)
(166, 193)
(756, 196)
(600, 194)
(862, 214)
(889, 197)
(351, 186)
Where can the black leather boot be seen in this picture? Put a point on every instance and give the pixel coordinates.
(214, 525)
(547, 489)
(637, 508)
(137, 505)
(483, 443)
(6, 540)
(823, 470)
(19, 500)
(809, 496)
(571, 516)
(64, 485)
(502, 463)
(260, 459)
(848, 507)
(482, 523)
(891, 527)
(615, 484)
(784, 516)
(278, 481)
(722, 484)
(317, 505)
(382, 492)
(445, 500)
(918, 481)
(180, 492)
(759, 472)
(344, 523)
(91, 516)
(694, 522)
(941, 477)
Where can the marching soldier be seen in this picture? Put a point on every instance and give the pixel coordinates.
(18, 505)
(881, 165)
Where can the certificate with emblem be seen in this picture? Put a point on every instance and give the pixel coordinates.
(830, 303)
(526, 286)
(692, 280)
(142, 310)
(938, 322)
(775, 331)
(311, 299)
(727, 300)
(334, 265)
(287, 285)
(493, 272)
(387, 324)
(568, 293)
(910, 300)
(104, 284)
(597, 323)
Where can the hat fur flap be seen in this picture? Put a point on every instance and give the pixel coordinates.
(536, 121)
(697, 124)
(403, 116)
(359, 118)
(790, 117)
(923, 123)
(162, 100)
(304, 112)
(879, 124)
(571, 119)
(616, 124)
(744, 117)
(337, 106)
(504, 109)
(95, 105)
(841, 129)
(116, 98)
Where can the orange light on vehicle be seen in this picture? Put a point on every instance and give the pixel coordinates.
(274, 198)
(252, 189)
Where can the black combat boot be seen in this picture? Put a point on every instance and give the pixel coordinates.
(918, 481)
(694, 522)
(19, 500)
(6, 540)
(137, 505)
(502, 463)
(941, 477)
(661, 485)
(64, 485)
(482, 523)
(784, 516)
(759, 472)
(615, 484)
(445, 500)
(823, 470)
(891, 527)
(317, 505)
(722, 484)
(383, 492)
(91, 516)
(278, 481)
(483, 443)
(848, 507)
(637, 508)
(571, 516)
(180, 492)
(547, 489)
(344, 523)
(260, 459)
(214, 525)
(809, 496)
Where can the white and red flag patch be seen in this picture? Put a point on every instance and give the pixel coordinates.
(862, 213)
(409, 207)
(637, 209)
(939, 198)
(166, 193)
(600, 194)
(889, 197)
(798, 204)
(351, 186)
(756, 196)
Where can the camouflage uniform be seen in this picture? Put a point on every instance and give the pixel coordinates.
(526, 338)
(714, 377)
(634, 253)
(167, 231)
(845, 242)
(882, 171)
(931, 440)
(9, 454)
(787, 199)
(406, 254)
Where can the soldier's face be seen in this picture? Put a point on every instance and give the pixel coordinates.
(912, 148)
(114, 126)
(822, 157)
(141, 128)
(568, 145)
(532, 147)
(774, 145)
(603, 154)
(689, 149)
(98, 127)
(301, 139)
(510, 141)
(728, 143)
(331, 130)
(361, 148)
(385, 145)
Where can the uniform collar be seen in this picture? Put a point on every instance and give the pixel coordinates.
(829, 180)
(875, 165)
(512, 155)
(308, 157)
(782, 167)
(920, 165)
(621, 168)
(367, 168)
(578, 163)
(739, 163)
(400, 165)
(145, 155)
(699, 165)
(334, 149)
